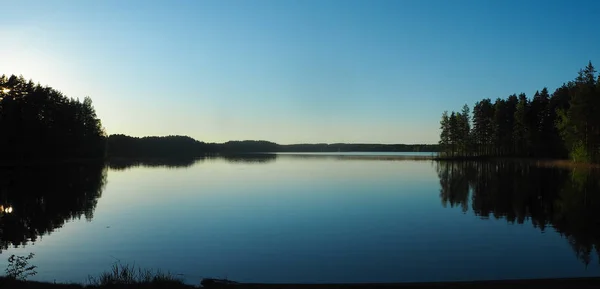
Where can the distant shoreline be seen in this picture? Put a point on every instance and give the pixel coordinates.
(360, 155)
(550, 283)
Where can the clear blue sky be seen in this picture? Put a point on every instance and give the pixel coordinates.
(295, 71)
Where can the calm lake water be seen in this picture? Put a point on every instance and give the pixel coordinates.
(305, 218)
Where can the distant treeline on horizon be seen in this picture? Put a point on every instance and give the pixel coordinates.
(120, 145)
(40, 123)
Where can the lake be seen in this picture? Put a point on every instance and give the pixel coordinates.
(305, 218)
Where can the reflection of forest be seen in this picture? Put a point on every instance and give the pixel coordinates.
(248, 158)
(174, 163)
(123, 164)
(43, 198)
(568, 201)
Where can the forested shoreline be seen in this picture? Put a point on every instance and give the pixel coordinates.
(39, 123)
(564, 124)
(184, 146)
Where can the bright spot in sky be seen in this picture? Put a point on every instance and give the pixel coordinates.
(5, 90)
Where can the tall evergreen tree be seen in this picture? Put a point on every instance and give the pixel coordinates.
(454, 133)
(445, 133)
(579, 125)
(522, 136)
(483, 126)
(538, 119)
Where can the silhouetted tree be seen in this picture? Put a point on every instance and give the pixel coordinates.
(445, 134)
(40, 122)
(483, 126)
(522, 128)
(580, 124)
(464, 130)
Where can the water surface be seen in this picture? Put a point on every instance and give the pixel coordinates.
(298, 218)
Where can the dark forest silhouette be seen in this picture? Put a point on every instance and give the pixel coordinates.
(39, 122)
(183, 146)
(158, 147)
(42, 198)
(563, 124)
(564, 200)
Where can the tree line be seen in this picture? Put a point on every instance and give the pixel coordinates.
(39, 122)
(120, 145)
(563, 124)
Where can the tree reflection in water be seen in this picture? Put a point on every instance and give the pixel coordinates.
(566, 200)
(37, 200)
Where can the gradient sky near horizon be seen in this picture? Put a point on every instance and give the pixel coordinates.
(295, 71)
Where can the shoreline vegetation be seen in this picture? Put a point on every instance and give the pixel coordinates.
(562, 125)
(165, 281)
(41, 125)
(124, 146)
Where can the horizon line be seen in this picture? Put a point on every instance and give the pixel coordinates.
(258, 140)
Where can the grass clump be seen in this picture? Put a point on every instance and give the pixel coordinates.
(125, 274)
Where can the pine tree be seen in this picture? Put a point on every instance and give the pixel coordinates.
(522, 136)
(445, 133)
(465, 130)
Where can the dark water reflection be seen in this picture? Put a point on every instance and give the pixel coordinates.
(38, 200)
(248, 158)
(125, 164)
(566, 200)
(357, 218)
